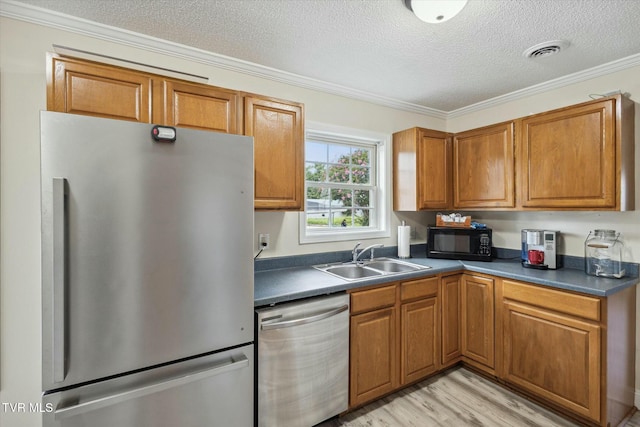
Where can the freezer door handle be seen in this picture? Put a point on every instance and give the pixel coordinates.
(58, 289)
(304, 320)
(232, 364)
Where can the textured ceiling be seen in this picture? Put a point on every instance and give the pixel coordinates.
(380, 47)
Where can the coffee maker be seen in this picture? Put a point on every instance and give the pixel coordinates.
(539, 249)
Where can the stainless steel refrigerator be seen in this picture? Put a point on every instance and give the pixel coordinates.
(147, 275)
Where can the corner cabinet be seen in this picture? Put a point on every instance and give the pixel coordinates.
(451, 303)
(483, 168)
(422, 177)
(579, 157)
(477, 322)
(278, 131)
(82, 87)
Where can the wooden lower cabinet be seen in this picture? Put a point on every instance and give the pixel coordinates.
(574, 351)
(395, 337)
(373, 345)
(477, 321)
(554, 356)
(373, 355)
(451, 303)
(419, 329)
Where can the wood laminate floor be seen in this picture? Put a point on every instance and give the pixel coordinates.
(455, 398)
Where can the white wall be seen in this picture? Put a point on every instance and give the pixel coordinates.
(23, 91)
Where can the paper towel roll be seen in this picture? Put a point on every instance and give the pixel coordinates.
(404, 241)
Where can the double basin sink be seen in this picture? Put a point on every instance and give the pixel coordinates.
(370, 268)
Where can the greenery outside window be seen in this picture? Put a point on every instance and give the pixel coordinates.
(344, 185)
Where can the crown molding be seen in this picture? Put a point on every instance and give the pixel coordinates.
(32, 14)
(580, 76)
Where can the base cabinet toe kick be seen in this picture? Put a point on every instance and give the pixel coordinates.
(571, 352)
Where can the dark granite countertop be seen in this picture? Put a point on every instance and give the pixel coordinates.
(277, 285)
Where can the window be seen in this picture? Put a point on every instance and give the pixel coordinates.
(344, 185)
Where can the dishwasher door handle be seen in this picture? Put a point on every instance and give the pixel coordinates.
(304, 320)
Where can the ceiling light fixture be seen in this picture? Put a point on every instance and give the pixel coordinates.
(435, 11)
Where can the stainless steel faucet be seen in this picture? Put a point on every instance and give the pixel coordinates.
(356, 254)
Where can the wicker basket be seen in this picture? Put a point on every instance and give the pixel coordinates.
(464, 223)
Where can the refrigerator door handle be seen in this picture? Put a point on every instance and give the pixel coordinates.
(58, 289)
(304, 320)
(234, 363)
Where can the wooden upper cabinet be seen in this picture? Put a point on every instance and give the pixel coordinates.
(278, 131)
(483, 167)
(82, 87)
(579, 157)
(421, 170)
(200, 106)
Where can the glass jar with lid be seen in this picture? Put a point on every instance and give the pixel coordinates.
(603, 254)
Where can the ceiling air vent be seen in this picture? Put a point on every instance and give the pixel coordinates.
(545, 49)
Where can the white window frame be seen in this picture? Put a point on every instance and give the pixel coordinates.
(382, 202)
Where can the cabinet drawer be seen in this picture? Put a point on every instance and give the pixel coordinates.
(419, 288)
(373, 298)
(564, 302)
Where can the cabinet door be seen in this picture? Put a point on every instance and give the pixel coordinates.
(483, 168)
(554, 356)
(451, 313)
(373, 353)
(419, 353)
(81, 87)
(434, 169)
(569, 157)
(200, 106)
(421, 170)
(278, 132)
(478, 319)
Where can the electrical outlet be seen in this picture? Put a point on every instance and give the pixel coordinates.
(263, 241)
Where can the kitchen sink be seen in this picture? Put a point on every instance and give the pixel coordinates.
(370, 268)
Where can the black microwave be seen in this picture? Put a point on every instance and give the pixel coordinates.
(469, 244)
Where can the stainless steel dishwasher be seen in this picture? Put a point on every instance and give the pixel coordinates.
(303, 361)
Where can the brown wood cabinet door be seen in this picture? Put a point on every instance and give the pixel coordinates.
(478, 326)
(421, 170)
(87, 88)
(483, 167)
(200, 106)
(451, 300)
(554, 356)
(374, 368)
(569, 157)
(278, 132)
(434, 170)
(419, 349)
